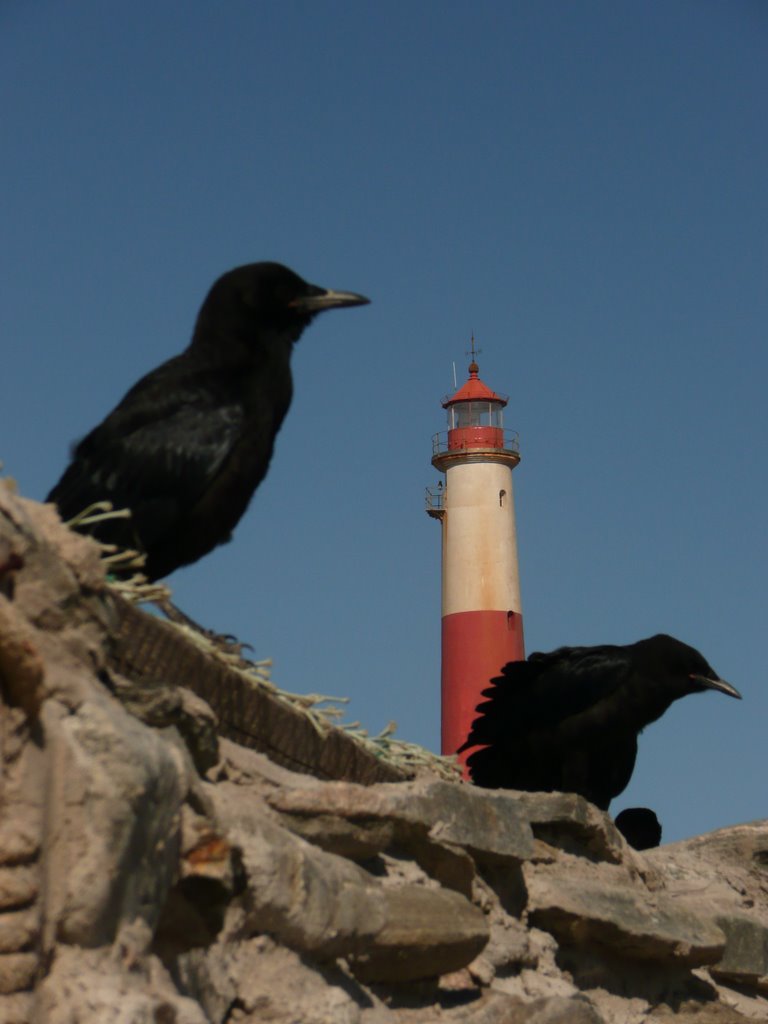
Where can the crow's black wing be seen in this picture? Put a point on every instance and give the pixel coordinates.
(156, 453)
(557, 722)
(548, 690)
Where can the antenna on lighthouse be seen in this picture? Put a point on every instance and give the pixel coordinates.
(455, 383)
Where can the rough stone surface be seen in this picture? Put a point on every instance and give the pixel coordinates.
(745, 958)
(16, 1009)
(94, 986)
(488, 824)
(18, 886)
(426, 933)
(357, 840)
(17, 971)
(583, 904)
(154, 873)
(569, 822)
(19, 838)
(123, 788)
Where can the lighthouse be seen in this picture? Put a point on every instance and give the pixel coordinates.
(482, 623)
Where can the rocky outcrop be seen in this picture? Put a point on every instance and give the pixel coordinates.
(153, 871)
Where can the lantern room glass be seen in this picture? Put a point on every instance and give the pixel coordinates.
(475, 414)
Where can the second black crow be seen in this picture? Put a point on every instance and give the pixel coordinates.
(569, 720)
(189, 444)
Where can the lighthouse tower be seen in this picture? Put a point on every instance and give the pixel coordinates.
(482, 626)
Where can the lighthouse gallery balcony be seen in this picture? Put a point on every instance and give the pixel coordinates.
(475, 443)
(476, 438)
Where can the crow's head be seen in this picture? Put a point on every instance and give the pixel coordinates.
(684, 665)
(263, 302)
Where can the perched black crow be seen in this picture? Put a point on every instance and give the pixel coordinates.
(639, 826)
(569, 720)
(189, 444)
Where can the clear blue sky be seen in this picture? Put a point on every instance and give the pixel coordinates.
(581, 184)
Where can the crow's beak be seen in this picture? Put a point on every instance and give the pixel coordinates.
(717, 684)
(325, 298)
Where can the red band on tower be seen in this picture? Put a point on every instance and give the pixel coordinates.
(475, 645)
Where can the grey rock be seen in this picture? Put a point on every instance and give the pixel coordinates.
(427, 932)
(571, 823)
(446, 863)
(560, 1010)
(306, 995)
(693, 1012)
(358, 839)
(266, 981)
(195, 907)
(493, 1007)
(487, 824)
(313, 901)
(162, 706)
(319, 903)
(583, 909)
(508, 944)
(116, 794)
(93, 987)
(745, 959)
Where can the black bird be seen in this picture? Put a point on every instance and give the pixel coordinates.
(569, 720)
(639, 826)
(190, 442)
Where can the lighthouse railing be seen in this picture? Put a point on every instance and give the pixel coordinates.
(434, 499)
(456, 440)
